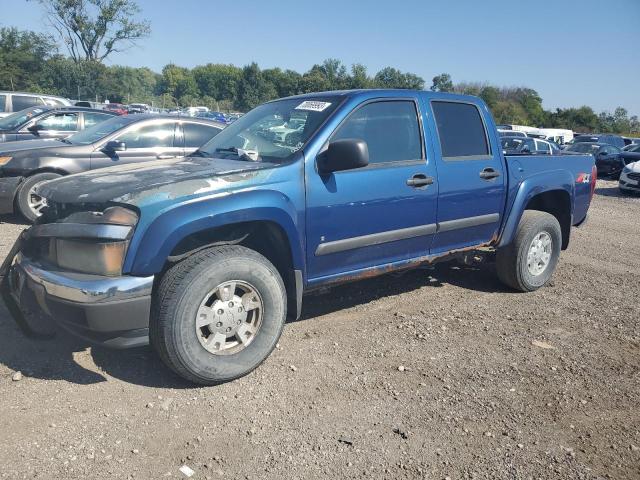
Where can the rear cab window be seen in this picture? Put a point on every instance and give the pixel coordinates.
(20, 102)
(3, 103)
(461, 131)
(197, 134)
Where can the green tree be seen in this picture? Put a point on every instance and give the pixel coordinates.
(393, 78)
(359, 77)
(93, 29)
(253, 89)
(217, 81)
(442, 83)
(23, 57)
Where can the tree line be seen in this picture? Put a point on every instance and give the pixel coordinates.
(31, 61)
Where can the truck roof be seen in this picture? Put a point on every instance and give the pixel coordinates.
(385, 92)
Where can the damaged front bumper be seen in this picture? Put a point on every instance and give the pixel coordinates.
(111, 311)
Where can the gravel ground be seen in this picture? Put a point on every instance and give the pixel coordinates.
(438, 373)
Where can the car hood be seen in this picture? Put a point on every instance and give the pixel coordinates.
(152, 182)
(22, 145)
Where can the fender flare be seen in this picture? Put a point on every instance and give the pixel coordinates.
(555, 180)
(152, 243)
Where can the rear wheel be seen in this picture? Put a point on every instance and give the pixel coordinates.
(530, 260)
(28, 202)
(218, 314)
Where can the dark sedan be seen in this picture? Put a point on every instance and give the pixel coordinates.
(609, 158)
(47, 122)
(132, 138)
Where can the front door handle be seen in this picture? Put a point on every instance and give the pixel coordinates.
(419, 180)
(164, 157)
(489, 174)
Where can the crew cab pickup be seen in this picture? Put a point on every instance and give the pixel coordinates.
(205, 257)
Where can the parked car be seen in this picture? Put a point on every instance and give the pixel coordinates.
(138, 108)
(511, 133)
(11, 102)
(609, 139)
(47, 122)
(630, 178)
(609, 160)
(217, 116)
(87, 104)
(559, 136)
(117, 108)
(119, 140)
(632, 147)
(631, 141)
(225, 243)
(527, 145)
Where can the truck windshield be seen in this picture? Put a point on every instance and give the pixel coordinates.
(272, 132)
(98, 131)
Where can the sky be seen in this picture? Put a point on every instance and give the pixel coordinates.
(572, 52)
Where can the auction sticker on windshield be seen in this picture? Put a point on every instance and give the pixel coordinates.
(313, 106)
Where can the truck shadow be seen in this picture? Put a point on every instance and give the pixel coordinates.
(13, 219)
(72, 360)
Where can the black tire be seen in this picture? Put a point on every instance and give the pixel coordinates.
(22, 197)
(176, 301)
(511, 261)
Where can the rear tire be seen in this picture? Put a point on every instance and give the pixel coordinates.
(530, 260)
(26, 200)
(186, 338)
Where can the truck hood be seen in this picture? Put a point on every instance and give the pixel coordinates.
(151, 182)
(22, 145)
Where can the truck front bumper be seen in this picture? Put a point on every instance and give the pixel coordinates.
(110, 311)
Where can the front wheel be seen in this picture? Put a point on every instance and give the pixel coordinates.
(530, 260)
(218, 314)
(29, 204)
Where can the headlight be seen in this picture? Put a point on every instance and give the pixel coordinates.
(5, 160)
(87, 242)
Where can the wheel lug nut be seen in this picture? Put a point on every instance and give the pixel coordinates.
(220, 311)
(228, 329)
(219, 324)
(231, 304)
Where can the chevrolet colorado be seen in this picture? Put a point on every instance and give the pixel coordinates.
(205, 257)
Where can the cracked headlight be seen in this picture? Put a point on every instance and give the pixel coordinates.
(89, 242)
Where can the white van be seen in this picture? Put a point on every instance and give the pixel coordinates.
(15, 101)
(558, 135)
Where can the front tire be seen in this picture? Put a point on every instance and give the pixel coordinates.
(28, 204)
(530, 260)
(218, 314)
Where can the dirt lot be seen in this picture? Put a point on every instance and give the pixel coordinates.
(438, 373)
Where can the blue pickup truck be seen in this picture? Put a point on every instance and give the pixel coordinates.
(205, 257)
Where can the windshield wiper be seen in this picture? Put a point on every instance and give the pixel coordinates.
(243, 154)
(65, 141)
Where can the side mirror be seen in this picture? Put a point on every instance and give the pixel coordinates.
(345, 154)
(115, 146)
(526, 149)
(35, 129)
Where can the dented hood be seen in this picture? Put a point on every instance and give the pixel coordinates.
(142, 183)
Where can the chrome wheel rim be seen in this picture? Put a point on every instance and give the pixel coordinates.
(539, 254)
(229, 317)
(36, 202)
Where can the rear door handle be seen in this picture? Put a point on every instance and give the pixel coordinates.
(489, 174)
(419, 180)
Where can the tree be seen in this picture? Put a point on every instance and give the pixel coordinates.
(23, 56)
(392, 78)
(442, 83)
(253, 89)
(93, 29)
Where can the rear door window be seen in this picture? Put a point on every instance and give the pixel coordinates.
(92, 118)
(20, 102)
(461, 131)
(390, 129)
(3, 103)
(197, 134)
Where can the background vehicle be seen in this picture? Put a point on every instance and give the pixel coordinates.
(517, 145)
(511, 133)
(47, 122)
(609, 160)
(632, 147)
(15, 101)
(119, 140)
(138, 108)
(630, 177)
(221, 245)
(605, 138)
(557, 135)
(117, 108)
